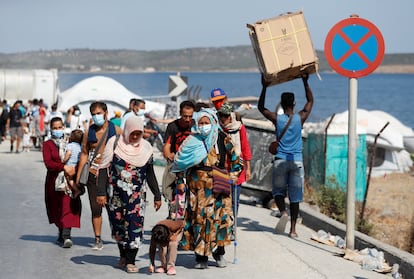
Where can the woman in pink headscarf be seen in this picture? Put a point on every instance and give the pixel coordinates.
(126, 164)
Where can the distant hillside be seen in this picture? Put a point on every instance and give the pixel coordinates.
(238, 58)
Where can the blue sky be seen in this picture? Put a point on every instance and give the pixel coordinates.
(168, 24)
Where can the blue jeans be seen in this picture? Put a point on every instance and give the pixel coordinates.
(288, 179)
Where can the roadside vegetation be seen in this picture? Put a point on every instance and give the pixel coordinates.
(331, 201)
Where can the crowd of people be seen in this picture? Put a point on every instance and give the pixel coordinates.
(208, 159)
(27, 125)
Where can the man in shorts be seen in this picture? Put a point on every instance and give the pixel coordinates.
(287, 172)
(15, 126)
(91, 138)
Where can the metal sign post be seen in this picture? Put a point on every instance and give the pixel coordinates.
(352, 142)
(354, 48)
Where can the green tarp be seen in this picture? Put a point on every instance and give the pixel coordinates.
(336, 162)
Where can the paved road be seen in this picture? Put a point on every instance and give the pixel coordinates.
(28, 249)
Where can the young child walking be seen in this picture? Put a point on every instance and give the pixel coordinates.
(26, 139)
(165, 235)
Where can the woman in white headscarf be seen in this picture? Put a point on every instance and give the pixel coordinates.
(209, 216)
(127, 163)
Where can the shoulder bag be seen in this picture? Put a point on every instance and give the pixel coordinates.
(275, 144)
(221, 181)
(83, 179)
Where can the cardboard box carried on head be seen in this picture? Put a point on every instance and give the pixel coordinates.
(283, 47)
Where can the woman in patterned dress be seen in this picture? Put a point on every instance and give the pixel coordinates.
(209, 216)
(127, 163)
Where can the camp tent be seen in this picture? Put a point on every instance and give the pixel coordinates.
(108, 90)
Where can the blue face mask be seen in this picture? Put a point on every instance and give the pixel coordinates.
(57, 134)
(205, 129)
(141, 112)
(98, 119)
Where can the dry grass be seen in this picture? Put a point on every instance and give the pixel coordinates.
(390, 208)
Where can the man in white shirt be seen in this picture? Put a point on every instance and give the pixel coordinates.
(76, 120)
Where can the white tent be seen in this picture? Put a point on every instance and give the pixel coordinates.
(391, 154)
(105, 89)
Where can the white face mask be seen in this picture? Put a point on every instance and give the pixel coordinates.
(205, 129)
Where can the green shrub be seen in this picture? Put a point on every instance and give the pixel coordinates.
(331, 200)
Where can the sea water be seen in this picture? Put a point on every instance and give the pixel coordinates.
(392, 93)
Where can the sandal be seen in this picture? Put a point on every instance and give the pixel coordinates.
(131, 268)
(160, 269)
(293, 235)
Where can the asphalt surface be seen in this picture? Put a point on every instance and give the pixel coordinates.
(28, 248)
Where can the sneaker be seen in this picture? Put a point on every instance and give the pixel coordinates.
(59, 241)
(201, 265)
(98, 245)
(171, 271)
(220, 261)
(67, 243)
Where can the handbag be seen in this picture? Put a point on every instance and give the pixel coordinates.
(221, 181)
(61, 183)
(275, 144)
(84, 175)
(83, 178)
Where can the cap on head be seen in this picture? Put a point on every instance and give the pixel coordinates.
(117, 113)
(217, 94)
(226, 109)
(287, 99)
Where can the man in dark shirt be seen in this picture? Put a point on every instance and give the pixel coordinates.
(176, 132)
(15, 126)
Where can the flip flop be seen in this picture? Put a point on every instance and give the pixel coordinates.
(293, 235)
(281, 225)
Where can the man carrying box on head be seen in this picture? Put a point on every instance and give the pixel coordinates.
(288, 173)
